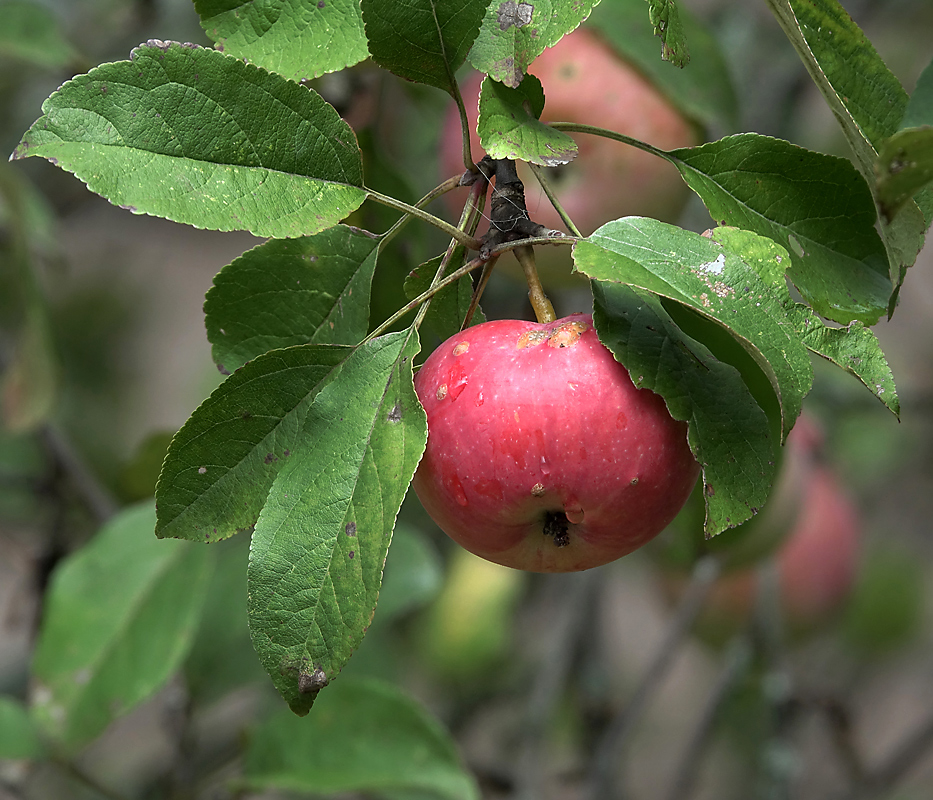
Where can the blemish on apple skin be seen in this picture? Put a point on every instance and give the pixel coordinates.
(634, 482)
(538, 490)
(461, 348)
(456, 489)
(531, 338)
(442, 391)
(567, 335)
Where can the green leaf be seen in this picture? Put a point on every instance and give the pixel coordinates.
(508, 125)
(728, 432)
(119, 619)
(863, 94)
(665, 16)
(704, 92)
(515, 32)
(296, 38)
(701, 274)
(449, 306)
(905, 166)
(221, 464)
(309, 290)
(198, 137)
(222, 658)
(854, 348)
(920, 106)
(413, 574)
(30, 32)
(815, 206)
(422, 40)
(364, 736)
(18, 735)
(320, 544)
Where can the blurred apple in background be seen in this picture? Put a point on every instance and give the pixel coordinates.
(816, 564)
(586, 82)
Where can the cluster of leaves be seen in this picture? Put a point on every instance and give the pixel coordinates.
(312, 441)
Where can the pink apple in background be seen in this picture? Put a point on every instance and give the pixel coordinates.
(585, 81)
(542, 454)
(817, 562)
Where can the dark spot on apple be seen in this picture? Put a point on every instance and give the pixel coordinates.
(557, 525)
(313, 683)
(350, 529)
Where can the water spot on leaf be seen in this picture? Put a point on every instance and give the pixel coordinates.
(202, 470)
(794, 243)
(395, 415)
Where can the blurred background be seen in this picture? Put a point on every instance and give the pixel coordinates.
(805, 674)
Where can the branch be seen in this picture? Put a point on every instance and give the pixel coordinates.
(619, 731)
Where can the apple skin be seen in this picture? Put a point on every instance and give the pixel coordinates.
(585, 81)
(542, 454)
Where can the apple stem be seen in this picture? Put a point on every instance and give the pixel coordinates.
(478, 291)
(543, 309)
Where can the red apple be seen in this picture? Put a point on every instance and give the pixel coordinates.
(585, 81)
(542, 454)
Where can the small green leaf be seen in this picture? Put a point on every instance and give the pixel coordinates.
(364, 736)
(920, 106)
(516, 32)
(422, 40)
(320, 544)
(18, 735)
(309, 290)
(701, 274)
(728, 432)
(704, 92)
(119, 619)
(904, 168)
(296, 38)
(413, 574)
(221, 464)
(665, 16)
(815, 206)
(509, 128)
(198, 137)
(30, 32)
(449, 306)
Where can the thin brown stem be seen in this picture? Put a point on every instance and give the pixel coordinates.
(544, 311)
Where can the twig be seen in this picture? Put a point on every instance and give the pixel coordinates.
(97, 497)
(619, 732)
(737, 658)
(885, 777)
(577, 593)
